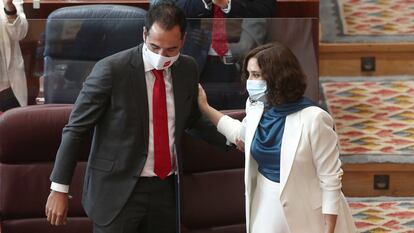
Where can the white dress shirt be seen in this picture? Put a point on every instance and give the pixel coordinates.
(148, 170)
(150, 80)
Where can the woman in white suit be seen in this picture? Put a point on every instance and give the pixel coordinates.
(13, 28)
(292, 170)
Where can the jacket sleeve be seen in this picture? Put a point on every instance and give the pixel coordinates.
(89, 107)
(324, 144)
(231, 128)
(194, 8)
(252, 8)
(17, 30)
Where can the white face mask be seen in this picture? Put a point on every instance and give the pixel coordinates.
(257, 89)
(159, 62)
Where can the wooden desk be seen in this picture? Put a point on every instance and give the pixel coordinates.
(285, 8)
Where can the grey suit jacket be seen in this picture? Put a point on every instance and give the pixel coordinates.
(113, 102)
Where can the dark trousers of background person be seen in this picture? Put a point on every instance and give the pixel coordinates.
(151, 208)
(8, 100)
(222, 84)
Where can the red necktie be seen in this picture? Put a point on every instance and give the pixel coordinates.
(162, 158)
(219, 37)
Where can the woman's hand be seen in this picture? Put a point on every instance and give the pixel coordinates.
(240, 145)
(202, 99)
(212, 114)
(330, 223)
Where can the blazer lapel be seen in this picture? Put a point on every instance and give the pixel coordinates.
(290, 142)
(137, 74)
(254, 115)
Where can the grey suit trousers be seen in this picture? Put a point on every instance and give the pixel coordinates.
(151, 208)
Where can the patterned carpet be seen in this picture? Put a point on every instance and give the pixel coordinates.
(367, 20)
(373, 117)
(377, 17)
(393, 215)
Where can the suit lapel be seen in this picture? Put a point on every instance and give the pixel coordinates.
(137, 74)
(290, 142)
(180, 93)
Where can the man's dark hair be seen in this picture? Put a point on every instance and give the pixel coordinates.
(167, 14)
(286, 81)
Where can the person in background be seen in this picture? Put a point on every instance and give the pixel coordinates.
(292, 167)
(13, 28)
(220, 38)
(230, 8)
(139, 102)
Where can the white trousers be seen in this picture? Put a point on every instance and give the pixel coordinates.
(266, 213)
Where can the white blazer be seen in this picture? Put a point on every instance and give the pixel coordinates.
(10, 35)
(310, 173)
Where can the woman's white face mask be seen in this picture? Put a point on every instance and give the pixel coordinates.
(159, 62)
(257, 89)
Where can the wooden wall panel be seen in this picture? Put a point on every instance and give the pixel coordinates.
(358, 179)
(345, 59)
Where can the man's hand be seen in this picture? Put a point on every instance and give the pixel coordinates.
(221, 3)
(57, 206)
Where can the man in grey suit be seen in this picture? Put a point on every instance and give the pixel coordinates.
(138, 102)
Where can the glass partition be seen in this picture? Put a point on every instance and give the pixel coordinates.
(62, 52)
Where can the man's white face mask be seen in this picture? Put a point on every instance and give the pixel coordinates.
(159, 62)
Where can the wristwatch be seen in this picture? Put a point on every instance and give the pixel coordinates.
(10, 13)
